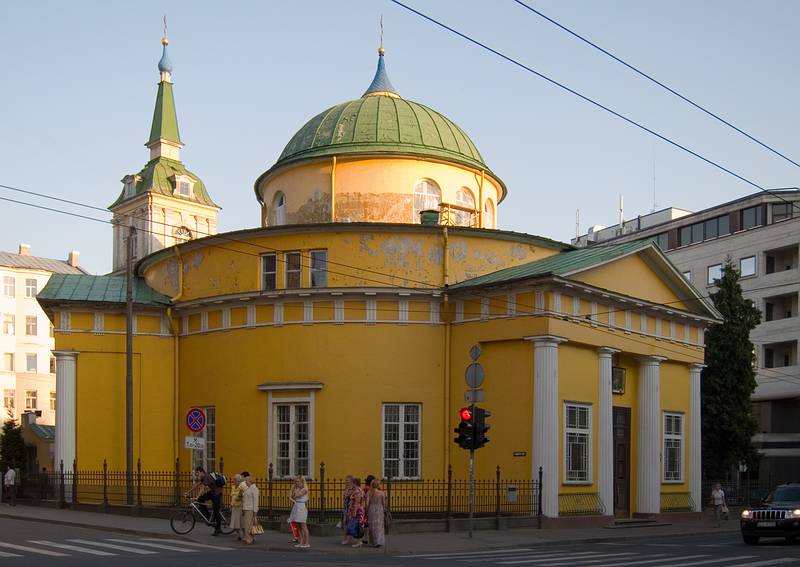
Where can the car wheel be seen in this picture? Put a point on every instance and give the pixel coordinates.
(750, 539)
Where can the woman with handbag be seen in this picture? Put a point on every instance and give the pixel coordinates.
(250, 522)
(238, 487)
(355, 516)
(720, 506)
(299, 513)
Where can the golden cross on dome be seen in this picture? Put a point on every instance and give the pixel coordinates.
(380, 49)
(164, 40)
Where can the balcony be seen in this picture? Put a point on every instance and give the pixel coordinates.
(779, 307)
(780, 355)
(777, 384)
(780, 259)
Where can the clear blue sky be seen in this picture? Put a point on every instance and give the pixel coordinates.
(78, 83)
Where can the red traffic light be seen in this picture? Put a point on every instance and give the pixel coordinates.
(466, 414)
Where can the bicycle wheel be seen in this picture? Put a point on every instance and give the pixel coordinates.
(182, 522)
(225, 525)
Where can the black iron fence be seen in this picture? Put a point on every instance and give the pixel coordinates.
(744, 492)
(413, 498)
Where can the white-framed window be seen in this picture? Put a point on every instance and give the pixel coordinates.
(293, 270)
(9, 287)
(31, 287)
(427, 196)
(402, 428)
(129, 187)
(31, 400)
(8, 361)
(781, 211)
(279, 209)
(207, 456)
(8, 401)
(488, 214)
(673, 447)
(52, 401)
(269, 271)
(714, 273)
(747, 266)
(8, 324)
(687, 275)
(184, 188)
(577, 443)
(291, 438)
(319, 268)
(52, 365)
(465, 198)
(182, 234)
(31, 325)
(30, 362)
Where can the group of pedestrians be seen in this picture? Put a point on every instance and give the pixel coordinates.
(244, 508)
(363, 512)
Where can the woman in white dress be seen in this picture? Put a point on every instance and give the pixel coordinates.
(299, 514)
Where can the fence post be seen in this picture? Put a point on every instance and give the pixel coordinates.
(539, 502)
(449, 495)
(177, 494)
(62, 501)
(74, 484)
(389, 492)
(497, 498)
(36, 481)
(269, 492)
(322, 510)
(139, 484)
(105, 485)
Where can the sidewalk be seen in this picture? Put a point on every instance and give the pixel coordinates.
(435, 542)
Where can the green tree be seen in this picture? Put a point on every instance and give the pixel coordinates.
(729, 379)
(12, 446)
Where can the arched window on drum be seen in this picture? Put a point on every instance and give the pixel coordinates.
(488, 214)
(279, 209)
(466, 199)
(182, 234)
(427, 196)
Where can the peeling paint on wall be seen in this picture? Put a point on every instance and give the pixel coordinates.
(371, 207)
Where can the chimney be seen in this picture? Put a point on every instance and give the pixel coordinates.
(29, 418)
(24, 249)
(74, 258)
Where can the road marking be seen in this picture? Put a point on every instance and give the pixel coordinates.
(588, 556)
(113, 546)
(4, 554)
(706, 562)
(189, 543)
(550, 554)
(768, 562)
(664, 557)
(582, 561)
(426, 555)
(33, 550)
(157, 546)
(70, 547)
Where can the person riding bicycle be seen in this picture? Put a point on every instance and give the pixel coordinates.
(213, 492)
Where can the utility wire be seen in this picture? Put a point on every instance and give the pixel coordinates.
(657, 82)
(593, 102)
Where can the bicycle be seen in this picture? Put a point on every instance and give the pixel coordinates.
(183, 520)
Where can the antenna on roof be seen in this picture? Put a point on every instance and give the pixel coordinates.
(621, 229)
(655, 205)
(577, 223)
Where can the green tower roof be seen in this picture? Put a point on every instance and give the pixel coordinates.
(165, 120)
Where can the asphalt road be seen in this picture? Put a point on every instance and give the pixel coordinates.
(39, 544)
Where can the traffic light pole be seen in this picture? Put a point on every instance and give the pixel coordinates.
(471, 489)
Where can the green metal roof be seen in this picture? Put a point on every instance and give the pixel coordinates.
(98, 289)
(46, 432)
(165, 119)
(158, 176)
(565, 263)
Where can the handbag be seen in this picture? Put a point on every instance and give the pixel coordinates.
(257, 529)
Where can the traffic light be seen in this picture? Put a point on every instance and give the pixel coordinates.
(466, 428)
(481, 427)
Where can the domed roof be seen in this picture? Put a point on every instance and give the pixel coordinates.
(381, 123)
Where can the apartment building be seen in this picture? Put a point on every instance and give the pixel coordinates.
(27, 368)
(761, 234)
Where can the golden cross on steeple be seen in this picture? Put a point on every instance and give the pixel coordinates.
(380, 49)
(164, 39)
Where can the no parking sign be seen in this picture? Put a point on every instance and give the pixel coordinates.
(195, 419)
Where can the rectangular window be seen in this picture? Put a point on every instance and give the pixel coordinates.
(269, 271)
(662, 240)
(8, 286)
(724, 225)
(52, 365)
(31, 287)
(685, 235)
(751, 217)
(31, 325)
(30, 362)
(697, 232)
(577, 442)
(8, 401)
(52, 401)
(747, 266)
(8, 361)
(292, 440)
(401, 440)
(31, 400)
(184, 188)
(781, 211)
(319, 268)
(711, 229)
(673, 447)
(294, 267)
(207, 456)
(714, 273)
(8, 324)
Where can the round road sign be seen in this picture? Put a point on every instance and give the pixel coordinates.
(195, 419)
(474, 375)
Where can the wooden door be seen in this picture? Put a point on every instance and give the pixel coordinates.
(622, 461)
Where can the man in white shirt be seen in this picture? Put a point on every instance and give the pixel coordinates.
(9, 482)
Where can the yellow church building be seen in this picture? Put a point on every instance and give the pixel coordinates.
(339, 330)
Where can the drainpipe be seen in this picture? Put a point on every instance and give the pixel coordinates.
(333, 189)
(446, 282)
(173, 326)
(480, 196)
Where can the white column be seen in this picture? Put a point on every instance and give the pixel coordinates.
(648, 446)
(546, 419)
(695, 440)
(605, 432)
(66, 375)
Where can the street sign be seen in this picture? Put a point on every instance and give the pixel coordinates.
(474, 375)
(474, 352)
(195, 419)
(474, 396)
(190, 442)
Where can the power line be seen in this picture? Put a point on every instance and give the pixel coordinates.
(657, 82)
(593, 102)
